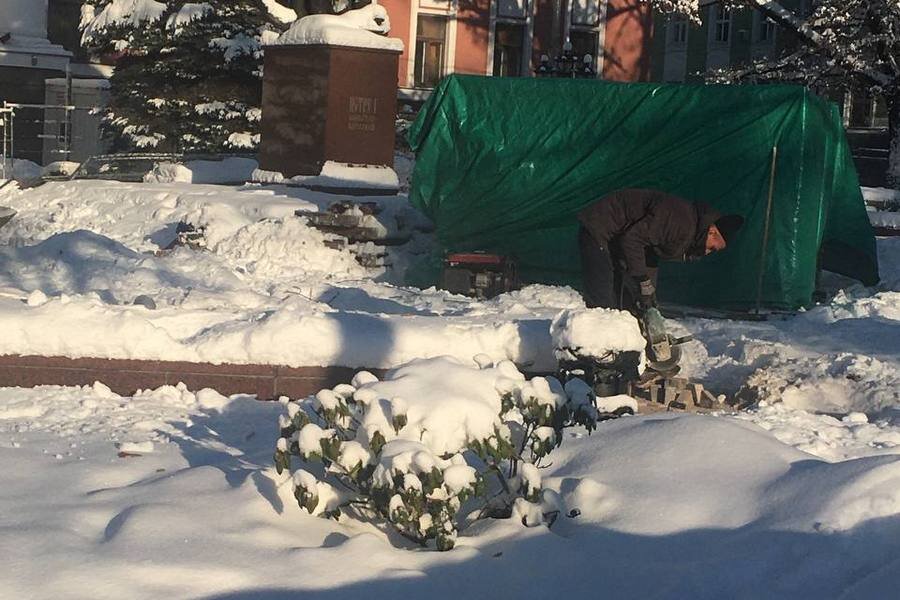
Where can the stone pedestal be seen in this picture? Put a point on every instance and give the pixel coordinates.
(323, 102)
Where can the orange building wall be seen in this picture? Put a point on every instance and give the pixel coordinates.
(473, 23)
(626, 47)
(399, 13)
(629, 30)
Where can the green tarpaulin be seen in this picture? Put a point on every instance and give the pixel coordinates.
(504, 164)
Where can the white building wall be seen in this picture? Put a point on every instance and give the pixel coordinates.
(24, 18)
(25, 21)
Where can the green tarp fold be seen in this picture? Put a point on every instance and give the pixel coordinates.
(504, 164)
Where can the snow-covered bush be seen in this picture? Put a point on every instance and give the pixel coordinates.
(436, 433)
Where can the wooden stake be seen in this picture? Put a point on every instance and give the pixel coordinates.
(765, 240)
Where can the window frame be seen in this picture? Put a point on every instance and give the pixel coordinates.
(523, 50)
(419, 69)
(677, 31)
(721, 24)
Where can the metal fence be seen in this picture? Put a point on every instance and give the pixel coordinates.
(47, 133)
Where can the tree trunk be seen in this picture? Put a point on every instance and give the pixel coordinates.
(893, 170)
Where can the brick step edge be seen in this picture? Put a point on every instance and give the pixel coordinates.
(127, 376)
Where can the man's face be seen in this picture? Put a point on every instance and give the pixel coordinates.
(714, 240)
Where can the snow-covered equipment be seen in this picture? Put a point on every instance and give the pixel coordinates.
(603, 347)
(478, 274)
(618, 355)
(663, 349)
(607, 377)
(509, 178)
(6, 214)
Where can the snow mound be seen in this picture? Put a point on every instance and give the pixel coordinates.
(448, 403)
(20, 170)
(830, 383)
(825, 436)
(595, 332)
(90, 410)
(273, 249)
(229, 170)
(343, 175)
(365, 27)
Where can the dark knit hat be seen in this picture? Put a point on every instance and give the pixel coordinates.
(728, 226)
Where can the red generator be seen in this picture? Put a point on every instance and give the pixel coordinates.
(478, 274)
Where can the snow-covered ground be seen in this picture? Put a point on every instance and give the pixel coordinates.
(798, 497)
(670, 507)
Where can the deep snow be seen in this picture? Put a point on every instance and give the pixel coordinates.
(670, 507)
(797, 497)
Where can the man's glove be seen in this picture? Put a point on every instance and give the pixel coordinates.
(647, 290)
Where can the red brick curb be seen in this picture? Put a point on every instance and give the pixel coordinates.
(125, 376)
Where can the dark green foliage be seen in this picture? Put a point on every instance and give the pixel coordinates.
(185, 85)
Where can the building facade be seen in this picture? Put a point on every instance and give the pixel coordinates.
(683, 53)
(508, 37)
(27, 59)
(44, 70)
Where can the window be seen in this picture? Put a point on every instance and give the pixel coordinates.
(430, 40)
(586, 12)
(509, 41)
(583, 42)
(678, 28)
(514, 9)
(721, 23)
(764, 27)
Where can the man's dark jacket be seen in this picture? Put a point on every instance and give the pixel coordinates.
(639, 224)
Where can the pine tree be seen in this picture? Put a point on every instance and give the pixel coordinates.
(188, 76)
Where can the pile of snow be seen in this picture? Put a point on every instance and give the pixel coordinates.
(365, 27)
(881, 218)
(263, 176)
(226, 171)
(595, 333)
(64, 168)
(832, 438)
(298, 332)
(447, 402)
(343, 175)
(96, 410)
(265, 281)
(871, 194)
(20, 170)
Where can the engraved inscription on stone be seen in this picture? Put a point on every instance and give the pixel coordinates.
(362, 113)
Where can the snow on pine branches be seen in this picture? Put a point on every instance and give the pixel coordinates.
(188, 74)
(435, 434)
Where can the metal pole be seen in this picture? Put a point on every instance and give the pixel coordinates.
(12, 140)
(3, 166)
(765, 240)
